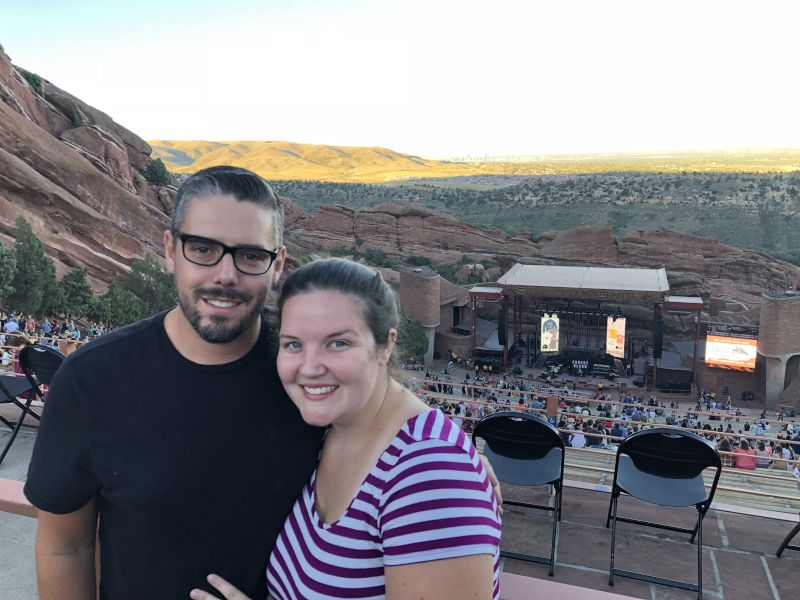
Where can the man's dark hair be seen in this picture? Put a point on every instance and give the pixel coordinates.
(240, 183)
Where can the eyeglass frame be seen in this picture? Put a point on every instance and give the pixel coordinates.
(273, 254)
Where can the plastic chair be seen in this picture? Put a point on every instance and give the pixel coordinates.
(39, 364)
(525, 450)
(665, 467)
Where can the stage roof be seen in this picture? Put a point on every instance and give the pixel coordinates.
(586, 283)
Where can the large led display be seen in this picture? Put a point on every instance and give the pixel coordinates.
(549, 337)
(727, 352)
(615, 337)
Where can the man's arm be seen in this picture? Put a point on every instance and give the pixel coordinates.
(65, 554)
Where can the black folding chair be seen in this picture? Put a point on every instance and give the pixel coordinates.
(10, 388)
(525, 450)
(665, 467)
(39, 364)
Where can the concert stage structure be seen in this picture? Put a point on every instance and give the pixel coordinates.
(558, 308)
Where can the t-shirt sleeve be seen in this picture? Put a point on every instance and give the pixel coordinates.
(60, 475)
(437, 503)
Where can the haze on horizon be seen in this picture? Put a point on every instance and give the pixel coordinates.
(436, 78)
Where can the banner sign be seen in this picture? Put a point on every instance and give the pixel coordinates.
(549, 333)
(615, 337)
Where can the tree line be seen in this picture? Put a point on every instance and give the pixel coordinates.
(28, 284)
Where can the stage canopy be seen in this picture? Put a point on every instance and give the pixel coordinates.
(586, 283)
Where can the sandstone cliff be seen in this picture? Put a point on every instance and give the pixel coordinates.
(75, 175)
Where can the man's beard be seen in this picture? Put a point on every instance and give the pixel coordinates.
(217, 329)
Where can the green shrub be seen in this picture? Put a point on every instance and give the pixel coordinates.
(418, 261)
(377, 258)
(411, 339)
(34, 80)
(156, 173)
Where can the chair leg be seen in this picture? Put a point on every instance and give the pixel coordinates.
(14, 433)
(699, 530)
(613, 517)
(560, 495)
(6, 422)
(554, 541)
(703, 510)
(610, 504)
(788, 539)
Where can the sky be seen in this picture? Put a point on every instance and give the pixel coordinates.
(436, 78)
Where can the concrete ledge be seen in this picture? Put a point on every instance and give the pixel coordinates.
(12, 499)
(518, 587)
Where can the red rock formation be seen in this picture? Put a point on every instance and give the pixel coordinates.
(75, 175)
(732, 277)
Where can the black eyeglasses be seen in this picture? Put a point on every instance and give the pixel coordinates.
(249, 260)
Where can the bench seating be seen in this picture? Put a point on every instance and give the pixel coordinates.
(12, 499)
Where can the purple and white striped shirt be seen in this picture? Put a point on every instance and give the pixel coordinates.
(427, 498)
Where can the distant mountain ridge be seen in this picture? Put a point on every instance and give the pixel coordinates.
(281, 160)
(291, 160)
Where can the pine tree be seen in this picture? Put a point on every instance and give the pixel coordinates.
(35, 276)
(8, 267)
(77, 293)
(117, 307)
(151, 284)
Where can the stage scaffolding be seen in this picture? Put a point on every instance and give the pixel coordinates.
(583, 298)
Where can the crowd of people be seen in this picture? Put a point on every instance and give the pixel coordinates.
(601, 419)
(64, 335)
(50, 329)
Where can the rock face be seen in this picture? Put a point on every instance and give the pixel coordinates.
(402, 231)
(75, 174)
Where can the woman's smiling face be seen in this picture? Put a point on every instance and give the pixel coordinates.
(328, 360)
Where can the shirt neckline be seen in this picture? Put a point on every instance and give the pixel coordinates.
(312, 485)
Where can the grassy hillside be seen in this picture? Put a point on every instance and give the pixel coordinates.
(290, 160)
(754, 211)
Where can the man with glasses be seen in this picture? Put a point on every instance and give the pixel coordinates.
(175, 434)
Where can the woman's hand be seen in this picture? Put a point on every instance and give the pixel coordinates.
(218, 583)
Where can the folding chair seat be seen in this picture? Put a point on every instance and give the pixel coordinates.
(39, 364)
(527, 451)
(665, 467)
(10, 388)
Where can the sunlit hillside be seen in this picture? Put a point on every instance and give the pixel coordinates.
(354, 164)
(289, 160)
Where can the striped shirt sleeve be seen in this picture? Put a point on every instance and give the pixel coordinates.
(437, 503)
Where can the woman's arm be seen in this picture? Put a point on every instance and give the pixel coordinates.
(463, 578)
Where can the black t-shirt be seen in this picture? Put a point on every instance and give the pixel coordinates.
(194, 467)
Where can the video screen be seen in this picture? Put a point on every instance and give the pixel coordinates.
(549, 338)
(615, 337)
(724, 352)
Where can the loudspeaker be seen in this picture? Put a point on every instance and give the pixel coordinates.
(502, 325)
(658, 342)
